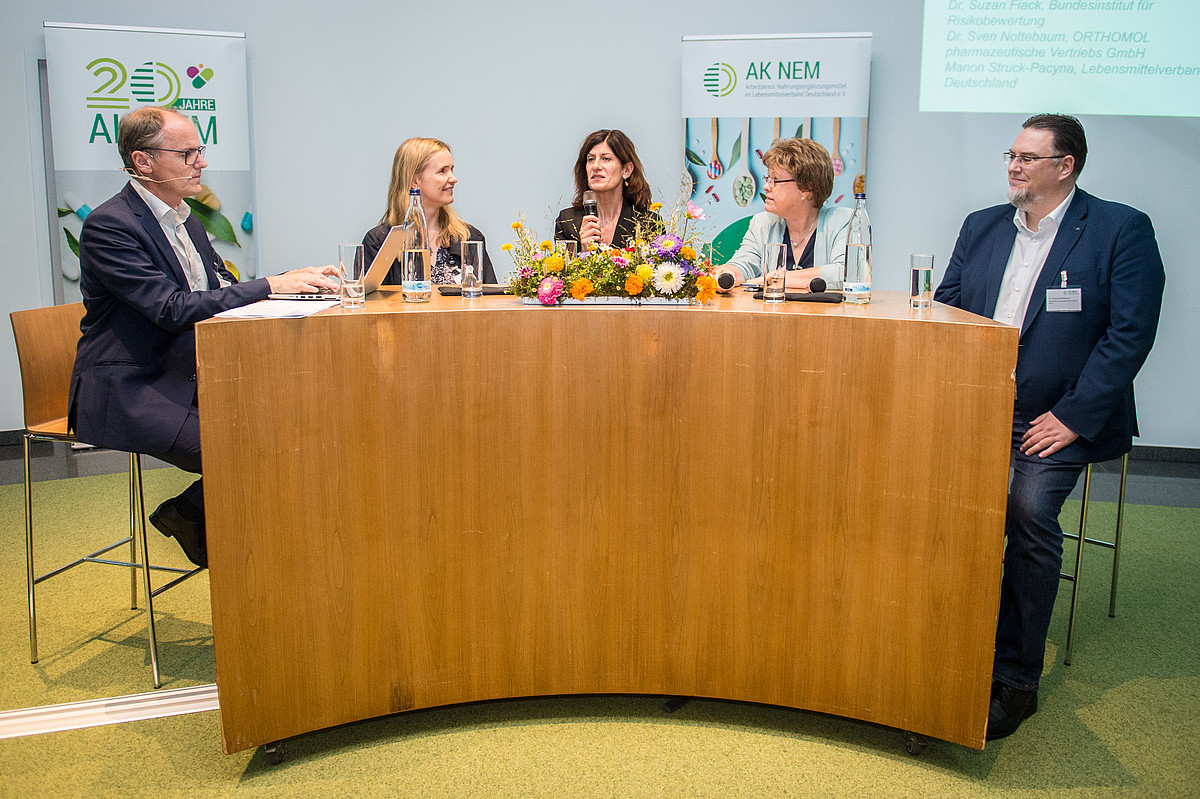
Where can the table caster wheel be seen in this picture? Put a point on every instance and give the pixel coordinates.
(914, 743)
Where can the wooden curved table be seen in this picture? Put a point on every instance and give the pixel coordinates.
(418, 505)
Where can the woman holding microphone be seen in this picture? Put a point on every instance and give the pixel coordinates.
(608, 167)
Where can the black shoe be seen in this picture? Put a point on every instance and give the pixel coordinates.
(1010, 706)
(190, 535)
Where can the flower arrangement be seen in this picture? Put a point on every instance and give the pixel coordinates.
(665, 262)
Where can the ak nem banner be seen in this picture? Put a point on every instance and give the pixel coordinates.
(97, 73)
(742, 92)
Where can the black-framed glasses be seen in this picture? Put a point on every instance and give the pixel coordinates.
(771, 182)
(189, 156)
(1026, 160)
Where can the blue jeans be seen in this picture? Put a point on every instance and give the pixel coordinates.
(1032, 561)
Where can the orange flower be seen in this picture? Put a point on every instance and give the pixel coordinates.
(688, 254)
(516, 225)
(553, 263)
(546, 245)
(706, 288)
(581, 288)
(633, 285)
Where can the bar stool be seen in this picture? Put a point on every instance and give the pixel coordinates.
(46, 339)
(1114, 545)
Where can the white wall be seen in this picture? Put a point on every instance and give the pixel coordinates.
(514, 87)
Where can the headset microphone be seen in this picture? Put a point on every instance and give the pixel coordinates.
(136, 176)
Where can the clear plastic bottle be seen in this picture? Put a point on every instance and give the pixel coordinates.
(416, 282)
(857, 285)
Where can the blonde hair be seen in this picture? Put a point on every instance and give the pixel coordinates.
(807, 162)
(411, 158)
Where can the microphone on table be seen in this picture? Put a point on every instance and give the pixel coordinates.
(589, 204)
(725, 281)
(817, 293)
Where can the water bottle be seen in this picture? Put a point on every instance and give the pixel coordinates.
(857, 285)
(416, 282)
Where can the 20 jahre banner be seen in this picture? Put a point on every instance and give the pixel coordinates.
(97, 73)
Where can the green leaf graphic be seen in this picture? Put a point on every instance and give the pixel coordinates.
(695, 159)
(214, 221)
(64, 212)
(72, 242)
(737, 152)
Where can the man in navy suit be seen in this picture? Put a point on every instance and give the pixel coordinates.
(148, 275)
(1083, 279)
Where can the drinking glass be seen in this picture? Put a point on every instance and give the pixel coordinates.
(775, 272)
(920, 293)
(350, 271)
(472, 269)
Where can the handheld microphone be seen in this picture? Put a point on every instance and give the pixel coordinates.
(817, 293)
(589, 204)
(725, 281)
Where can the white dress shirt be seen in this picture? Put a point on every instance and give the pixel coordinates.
(171, 221)
(1025, 263)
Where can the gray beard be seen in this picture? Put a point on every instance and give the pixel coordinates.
(1023, 198)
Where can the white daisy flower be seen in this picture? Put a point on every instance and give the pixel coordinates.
(668, 278)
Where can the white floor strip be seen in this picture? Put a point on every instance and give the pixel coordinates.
(115, 710)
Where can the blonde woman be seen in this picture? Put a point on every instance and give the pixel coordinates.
(427, 165)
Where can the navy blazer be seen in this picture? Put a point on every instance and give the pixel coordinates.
(134, 378)
(1079, 365)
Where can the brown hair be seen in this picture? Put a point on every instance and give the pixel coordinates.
(141, 129)
(636, 191)
(411, 157)
(1068, 136)
(807, 162)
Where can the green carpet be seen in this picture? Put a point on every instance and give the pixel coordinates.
(1121, 721)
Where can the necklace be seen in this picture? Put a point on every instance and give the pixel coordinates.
(801, 242)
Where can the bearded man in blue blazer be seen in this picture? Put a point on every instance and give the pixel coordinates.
(1083, 279)
(148, 274)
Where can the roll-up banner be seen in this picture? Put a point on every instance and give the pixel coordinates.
(97, 73)
(742, 92)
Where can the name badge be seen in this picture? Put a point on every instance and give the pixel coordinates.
(1064, 300)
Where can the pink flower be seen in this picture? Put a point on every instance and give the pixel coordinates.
(694, 211)
(549, 290)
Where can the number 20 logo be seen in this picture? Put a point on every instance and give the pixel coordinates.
(151, 82)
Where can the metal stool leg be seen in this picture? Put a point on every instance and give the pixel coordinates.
(1112, 594)
(1087, 490)
(33, 649)
(135, 476)
(134, 510)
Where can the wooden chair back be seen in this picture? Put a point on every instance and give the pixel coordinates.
(46, 340)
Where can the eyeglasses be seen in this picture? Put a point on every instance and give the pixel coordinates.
(1026, 160)
(771, 182)
(189, 156)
